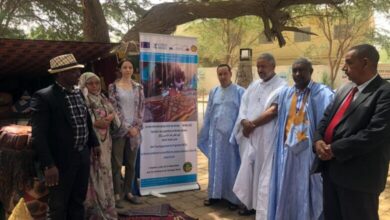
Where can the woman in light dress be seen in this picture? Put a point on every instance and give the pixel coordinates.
(100, 201)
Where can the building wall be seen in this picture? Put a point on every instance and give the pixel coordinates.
(384, 70)
(208, 76)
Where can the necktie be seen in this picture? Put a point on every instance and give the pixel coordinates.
(339, 114)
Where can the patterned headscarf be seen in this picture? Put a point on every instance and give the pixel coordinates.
(98, 105)
(84, 78)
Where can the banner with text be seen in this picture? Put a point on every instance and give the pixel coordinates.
(168, 67)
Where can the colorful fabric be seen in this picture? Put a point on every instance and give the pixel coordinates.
(172, 214)
(36, 200)
(296, 127)
(300, 95)
(20, 212)
(100, 200)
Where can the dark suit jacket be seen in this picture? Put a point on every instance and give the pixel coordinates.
(52, 132)
(361, 141)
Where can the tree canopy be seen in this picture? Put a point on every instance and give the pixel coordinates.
(273, 13)
(93, 20)
(89, 20)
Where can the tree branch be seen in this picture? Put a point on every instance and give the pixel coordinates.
(295, 29)
(163, 18)
(287, 3)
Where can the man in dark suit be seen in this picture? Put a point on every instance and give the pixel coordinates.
(62, 136)
(353, 140)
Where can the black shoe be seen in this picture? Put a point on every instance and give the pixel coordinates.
(209, 202)
(232, 206)
(246, 212)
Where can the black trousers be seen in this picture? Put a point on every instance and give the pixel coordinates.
(345, 204)
(67, 198)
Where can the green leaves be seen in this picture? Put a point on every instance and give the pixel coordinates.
(63, 19)
(122, 14)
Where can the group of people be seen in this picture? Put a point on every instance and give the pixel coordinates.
(72, 118)
(288, 153)
(302, 152)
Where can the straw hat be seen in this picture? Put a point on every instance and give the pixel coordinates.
(63, 62)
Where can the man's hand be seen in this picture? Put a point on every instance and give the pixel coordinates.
(248, 127)
(51, 176)
(323, 150)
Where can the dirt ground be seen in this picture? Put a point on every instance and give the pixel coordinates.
(384, 202)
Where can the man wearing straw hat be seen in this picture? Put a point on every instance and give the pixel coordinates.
(62, 136)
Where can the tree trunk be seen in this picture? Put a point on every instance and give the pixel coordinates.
(95, 27)
(244, 73)
(163, 18)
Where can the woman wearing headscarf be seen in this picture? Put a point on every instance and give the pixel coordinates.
(100, 201)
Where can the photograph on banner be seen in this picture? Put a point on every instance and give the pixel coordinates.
(169, 76)
(170, 91)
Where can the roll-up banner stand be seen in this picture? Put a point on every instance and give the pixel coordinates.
(168, 67)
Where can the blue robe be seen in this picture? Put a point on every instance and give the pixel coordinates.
(295, 194)
(224, 159)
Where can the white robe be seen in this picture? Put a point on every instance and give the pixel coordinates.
(252, 182)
